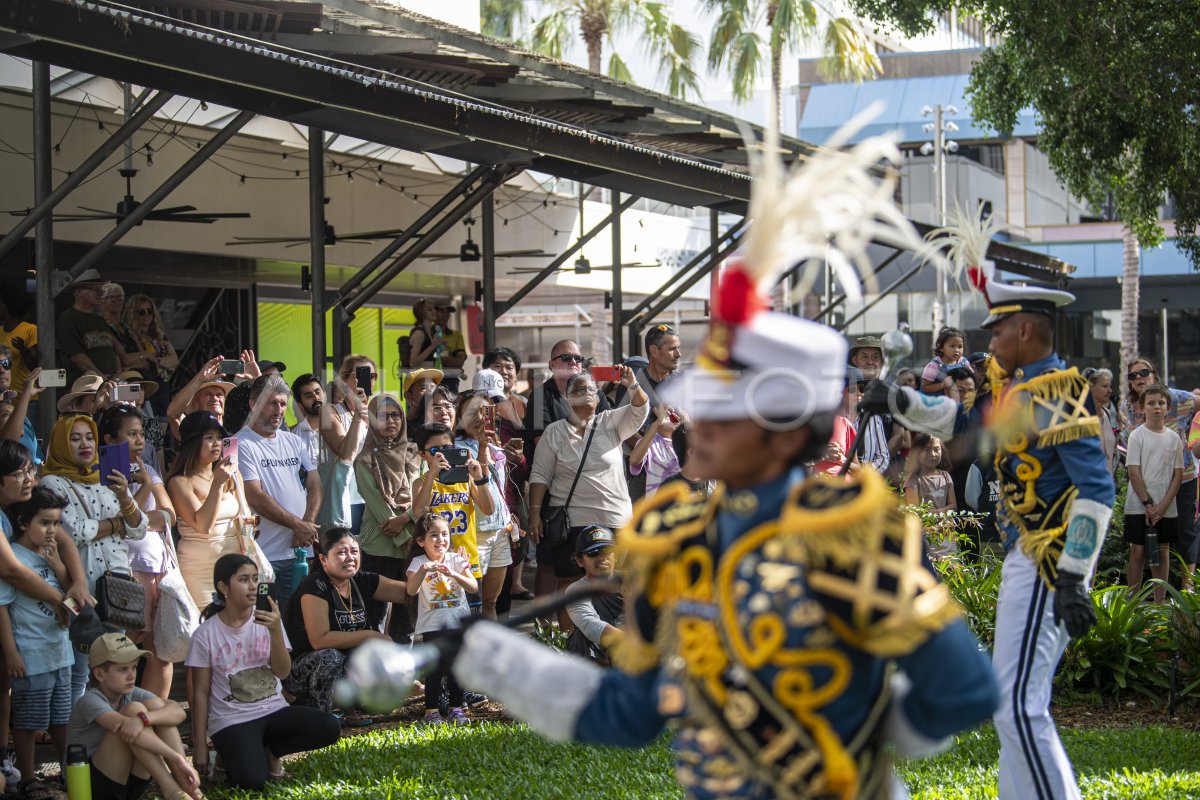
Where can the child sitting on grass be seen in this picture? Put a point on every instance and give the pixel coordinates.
(37, 649)
(440, 579)
(131, 735)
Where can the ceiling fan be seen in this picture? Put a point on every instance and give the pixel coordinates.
(584, 267)
(470, 251)
(126, 206)
(331, 237)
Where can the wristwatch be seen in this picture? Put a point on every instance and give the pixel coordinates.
(144, 717)
(484, 481)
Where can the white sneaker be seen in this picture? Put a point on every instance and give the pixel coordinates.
(12, 775)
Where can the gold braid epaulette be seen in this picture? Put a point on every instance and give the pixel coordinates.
(866, 564)
(1063, 394)
(661, 523)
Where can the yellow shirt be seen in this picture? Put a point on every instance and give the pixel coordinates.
(453, 502)
(26, 331)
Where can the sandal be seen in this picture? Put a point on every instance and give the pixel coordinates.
(525, 595)
(282, 775)
(38, 789)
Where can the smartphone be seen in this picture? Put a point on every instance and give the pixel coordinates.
(52, 377)
(362, 376)
(127, 393)
(488, 412)
(606, 374)
(229, 449)
(71, 605)
(114, 457)
(673, 415)
(457, 458)
(517, 442)
(263, 601)
(231, 366)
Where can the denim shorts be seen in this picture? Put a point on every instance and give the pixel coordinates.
(42, 700)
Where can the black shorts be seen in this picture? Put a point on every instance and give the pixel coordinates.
(1135, 529)
(105, 788)
(562, 558)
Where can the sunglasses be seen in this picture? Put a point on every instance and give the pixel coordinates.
(603, 551)
(145, 312)
(1141, 373)
(5, 363)
(570, 358)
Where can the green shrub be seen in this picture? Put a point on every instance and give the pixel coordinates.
(1126, 649)
(1114, 555)
(975, 586)
(1183, 624)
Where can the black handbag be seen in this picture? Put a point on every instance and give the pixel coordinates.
(556, 522)
(121, 601)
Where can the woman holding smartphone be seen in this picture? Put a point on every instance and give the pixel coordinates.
(100, 518)
(206, 491)
(148, 555)
(237, 657)
(477, 429)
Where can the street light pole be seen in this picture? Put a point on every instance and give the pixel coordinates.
(940, 147)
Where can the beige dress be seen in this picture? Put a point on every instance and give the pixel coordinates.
(199, 551)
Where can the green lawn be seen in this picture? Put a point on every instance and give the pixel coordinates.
(496, 761)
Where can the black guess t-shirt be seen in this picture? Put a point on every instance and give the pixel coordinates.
(345, 614)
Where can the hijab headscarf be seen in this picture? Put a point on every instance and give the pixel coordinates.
(388, 459)
(59, 461)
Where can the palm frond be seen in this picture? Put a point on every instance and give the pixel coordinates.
(618, 69)
(849, 55)
(794, 21)
(551, 33)
(745, 64)
(826, 211)
(673, 45)
(501, 18)
(734, 17)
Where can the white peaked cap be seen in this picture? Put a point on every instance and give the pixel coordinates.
(780, 368)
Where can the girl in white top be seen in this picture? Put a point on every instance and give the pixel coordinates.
(491, 530)
(207, 492)
(148, 555)
(237, 657)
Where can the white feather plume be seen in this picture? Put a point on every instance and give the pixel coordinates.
(828, 209)
(964, 241)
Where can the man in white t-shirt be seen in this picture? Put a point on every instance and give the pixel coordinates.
(270, 461)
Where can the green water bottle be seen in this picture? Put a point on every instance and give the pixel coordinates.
(79, 773)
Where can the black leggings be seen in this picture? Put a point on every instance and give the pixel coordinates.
(244, 748)
(433, 684)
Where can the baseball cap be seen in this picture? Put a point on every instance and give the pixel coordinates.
(489, 383)
(593, 538)
(265, 365)
(115, 647)
(976, 357)
(198, 423)
(448, 304)
(636, 362)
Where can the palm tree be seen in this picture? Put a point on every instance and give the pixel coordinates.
(1130, 298)
(737, 45)
(598, 21)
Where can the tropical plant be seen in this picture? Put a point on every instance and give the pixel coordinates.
(737, 42)
(598, 21)
(1114, 553)
(1112, 84)
(975, 586)
(1127, 648)
(548, 633)
(1183, 623)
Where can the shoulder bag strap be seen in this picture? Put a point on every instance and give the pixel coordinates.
(587, 446)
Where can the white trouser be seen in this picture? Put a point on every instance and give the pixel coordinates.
(1033, 763)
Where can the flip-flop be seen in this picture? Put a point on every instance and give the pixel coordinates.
(525, 595)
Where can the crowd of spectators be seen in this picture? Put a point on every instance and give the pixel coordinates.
(280, 550)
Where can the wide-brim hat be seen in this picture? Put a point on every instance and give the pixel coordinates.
(434, 375)
(864, 343)
(85, 384)
(224, 386)
(133, 376)
(774, 368)
(1006, 299)
(89, 277)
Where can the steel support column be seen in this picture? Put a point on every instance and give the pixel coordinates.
(451, 218)
(139, 214)
(841, 298)
(891, 287)
(617, 294)
(350, 287)
(695, 278)
(316, 244)
(77, 176)
(549, 269)
(488, 224)
(43, 243)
